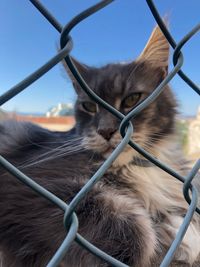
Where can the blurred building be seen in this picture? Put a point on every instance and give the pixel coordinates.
(61, 110)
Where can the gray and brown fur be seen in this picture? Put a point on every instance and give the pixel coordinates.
(133, 212)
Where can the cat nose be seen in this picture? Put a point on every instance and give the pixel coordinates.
(106, 132)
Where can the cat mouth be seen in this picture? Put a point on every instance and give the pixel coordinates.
(108, 150)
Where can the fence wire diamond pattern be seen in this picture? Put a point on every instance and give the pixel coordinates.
(126, 130)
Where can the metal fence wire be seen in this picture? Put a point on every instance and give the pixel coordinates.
(126, 130)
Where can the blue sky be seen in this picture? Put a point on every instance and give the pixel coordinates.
(116, 33)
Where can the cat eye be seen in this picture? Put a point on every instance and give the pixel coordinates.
(131, 100)
(89, 106)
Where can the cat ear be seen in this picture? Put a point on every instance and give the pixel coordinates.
(156, 51)
(83, 70)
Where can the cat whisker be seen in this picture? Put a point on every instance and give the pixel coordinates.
(53, 157)
(47, 143)
(59, 151)
(51, 151)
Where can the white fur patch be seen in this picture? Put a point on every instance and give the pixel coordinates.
(190, 245)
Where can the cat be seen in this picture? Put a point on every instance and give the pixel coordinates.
(135, 210)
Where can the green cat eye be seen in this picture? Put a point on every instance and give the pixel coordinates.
(89, 106)
(131, 100)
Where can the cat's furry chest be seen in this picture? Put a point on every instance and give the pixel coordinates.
(150, 184)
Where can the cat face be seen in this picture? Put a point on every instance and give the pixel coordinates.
(124, 86)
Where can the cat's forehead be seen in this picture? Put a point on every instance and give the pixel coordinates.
(110, 80)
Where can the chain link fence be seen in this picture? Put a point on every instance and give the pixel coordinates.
(126, 130)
